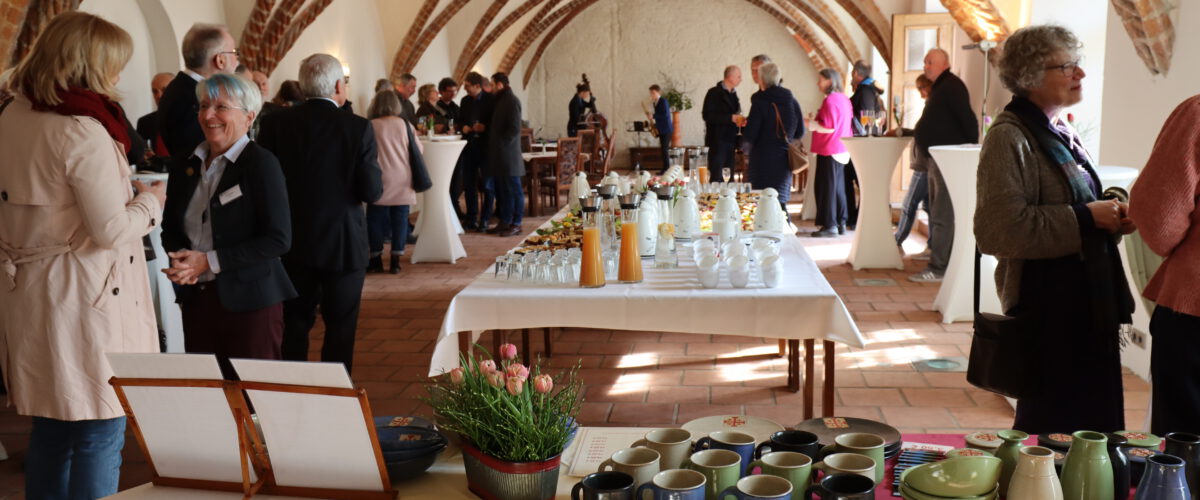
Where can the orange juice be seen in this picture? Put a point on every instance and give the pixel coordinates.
(591, 270)
(630, 270)
(702, 172)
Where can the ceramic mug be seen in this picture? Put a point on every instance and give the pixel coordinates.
(641, 463)
(793, 466)
(759, 488)
(721, 469)
(797, 441)
(843, 487)
(868, 445)
(610, 485)
(673, 445)
(848, 463)
(738, 442)
(709, 276)
(675, 485)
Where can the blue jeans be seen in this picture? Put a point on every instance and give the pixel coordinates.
(918, 194)
(74, 460)
(510, 199)
(387, 221)
(489, 200)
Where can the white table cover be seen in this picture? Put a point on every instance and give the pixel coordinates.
(437, 226)
(170, 319)
(955, 298)
(875, 160)
(803, 306)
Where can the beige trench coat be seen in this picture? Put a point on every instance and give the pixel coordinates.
(73, 280)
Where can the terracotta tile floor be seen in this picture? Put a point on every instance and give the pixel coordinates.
(634, 378)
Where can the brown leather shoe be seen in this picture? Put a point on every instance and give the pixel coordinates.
(511, 231)
(498, 228)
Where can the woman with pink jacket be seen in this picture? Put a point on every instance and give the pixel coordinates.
(389, 215)
(1164, 208)
(831, 124)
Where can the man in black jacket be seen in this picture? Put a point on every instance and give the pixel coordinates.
(473, 158)
(947, 120)
(331, 167)
(505, 161)
(722, 117)
(865, 100)
(147, 125)
(207, 49)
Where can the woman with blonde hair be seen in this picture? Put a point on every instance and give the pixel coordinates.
(73, 283)
(427, 95)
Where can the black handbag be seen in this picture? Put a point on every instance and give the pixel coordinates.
(416, 163)
(997, 348)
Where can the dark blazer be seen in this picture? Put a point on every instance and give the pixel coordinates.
(250, 233)
(471, 111)
(575, 111)
(662, 117)
(947, 119)
(177, 119)
(719, 107)
(331, 167)
(504, 136)
(147, 126)
(768, 149)
(865, 98)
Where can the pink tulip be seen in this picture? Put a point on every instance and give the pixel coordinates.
(517, 370)
(495, 379)
(508, 351)
(487, 366)
(456, 376)
(515, 385)
(543, 384)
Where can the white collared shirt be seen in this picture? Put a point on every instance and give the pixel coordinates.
(195, 76)
(197, 223)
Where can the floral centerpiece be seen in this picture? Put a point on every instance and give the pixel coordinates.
(514, 422)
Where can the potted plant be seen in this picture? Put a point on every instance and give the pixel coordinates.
(679, 101)
(514, 422)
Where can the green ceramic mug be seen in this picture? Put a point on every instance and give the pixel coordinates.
(847, 463)
(721, 469)
(860, 443)
(793, 466)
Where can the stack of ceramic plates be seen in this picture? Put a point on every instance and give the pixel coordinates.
(909, 459)
(410, 445)
(961, 478)
(828, 428)
(758, 427)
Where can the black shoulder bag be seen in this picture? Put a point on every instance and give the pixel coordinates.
(999, 343)
(416, 163)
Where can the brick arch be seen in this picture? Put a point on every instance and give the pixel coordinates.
(537, 55)
(270, 32)
(872, 21)
(22, 22)
(971, 14)
(443, 18)
(821, 15)
(816, 51)
(460, 68)
(477, 52)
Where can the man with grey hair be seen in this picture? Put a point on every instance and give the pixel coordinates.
(207, 49)
(946, 120)
(406, 88)
(722, 117)
(755, 63)
(331, 167)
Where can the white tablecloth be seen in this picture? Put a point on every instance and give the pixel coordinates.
(803, 306)
(875, 160)
(170, 320)
(437, 226)
(955, 298)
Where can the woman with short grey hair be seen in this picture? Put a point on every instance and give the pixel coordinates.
(1040, 211)
(774, 121)
(388, 216)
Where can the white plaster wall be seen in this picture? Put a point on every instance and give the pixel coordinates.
(184, 13)
(135, 78)
(625, 45)
(1088, 19)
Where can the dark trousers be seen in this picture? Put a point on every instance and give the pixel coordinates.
(389, 221)
(1175, 372)
(720, 155)
(941, 220)
(830, 191)
(339, 293)
(488, 184)
(664, 148)
(850, 179)
(210, 328)
(466, 180)
(510, 199)
(456, 187)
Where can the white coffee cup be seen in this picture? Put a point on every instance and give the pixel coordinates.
(709, 276)
(739, 271)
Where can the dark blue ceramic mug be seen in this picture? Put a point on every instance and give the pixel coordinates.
(738, 442)
(676, 484)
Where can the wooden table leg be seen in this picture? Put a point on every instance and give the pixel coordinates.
(464, 343)
(809, 347)
(497, 339)
(528, 354)
(546, 342)
(782, 347)
(828, 386)
(792, 346)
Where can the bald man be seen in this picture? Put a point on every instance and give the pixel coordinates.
(147, 126)
(946, 120)
(722, 117)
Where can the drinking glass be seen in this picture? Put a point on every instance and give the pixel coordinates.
(727, 174)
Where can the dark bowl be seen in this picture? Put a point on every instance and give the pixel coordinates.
(402, 455)
(403, 421)
(408, 469)
(408, 438)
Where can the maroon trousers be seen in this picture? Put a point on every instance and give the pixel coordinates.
(210, 328)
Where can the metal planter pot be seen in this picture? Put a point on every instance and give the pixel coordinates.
(493, 479)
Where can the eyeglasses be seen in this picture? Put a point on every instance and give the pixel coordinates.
(234, 52)
(219, 108)
(1067, 68)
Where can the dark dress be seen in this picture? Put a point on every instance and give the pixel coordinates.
(575, 111)
(767, 147)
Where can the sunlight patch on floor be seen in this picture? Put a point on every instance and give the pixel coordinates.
(639, 360)
(832, 252)
(892, 356)
(630, 383)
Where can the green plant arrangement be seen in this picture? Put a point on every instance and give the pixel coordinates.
(510, 412)
(676, 98)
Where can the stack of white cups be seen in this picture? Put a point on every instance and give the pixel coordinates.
(738, 261)
(707, 266)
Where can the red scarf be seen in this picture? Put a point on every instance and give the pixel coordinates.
(82, 102)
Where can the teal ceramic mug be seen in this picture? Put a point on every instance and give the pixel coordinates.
(759, 488)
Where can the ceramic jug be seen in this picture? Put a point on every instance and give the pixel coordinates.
(579, 189)
(1187, 447)
(1009, 454)
(686, 215)
(614, 180)
(1087, 473)
(648, 226)
(727, 217)
(643, 181)
(672, 174)
(769, 214)
(1164, 479)
(1034, 477)
(1120, 465)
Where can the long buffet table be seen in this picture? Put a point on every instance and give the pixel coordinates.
(803, 307)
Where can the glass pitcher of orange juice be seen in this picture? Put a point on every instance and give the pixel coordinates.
(629, 269)
(591, 268)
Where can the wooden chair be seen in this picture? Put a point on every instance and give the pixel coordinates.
(587, 144)
(526, 140)
(567, 163)
(603, 160)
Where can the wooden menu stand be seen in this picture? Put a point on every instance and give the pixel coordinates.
(182, 420)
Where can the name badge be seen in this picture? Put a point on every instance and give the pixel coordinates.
(230, 194)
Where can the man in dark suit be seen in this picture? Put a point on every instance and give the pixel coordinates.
(330, 163)
(505, 161)
(722, 117)
(147, 125)
(208, 49)
(662, 122)
(946, 120)
(472, 110)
